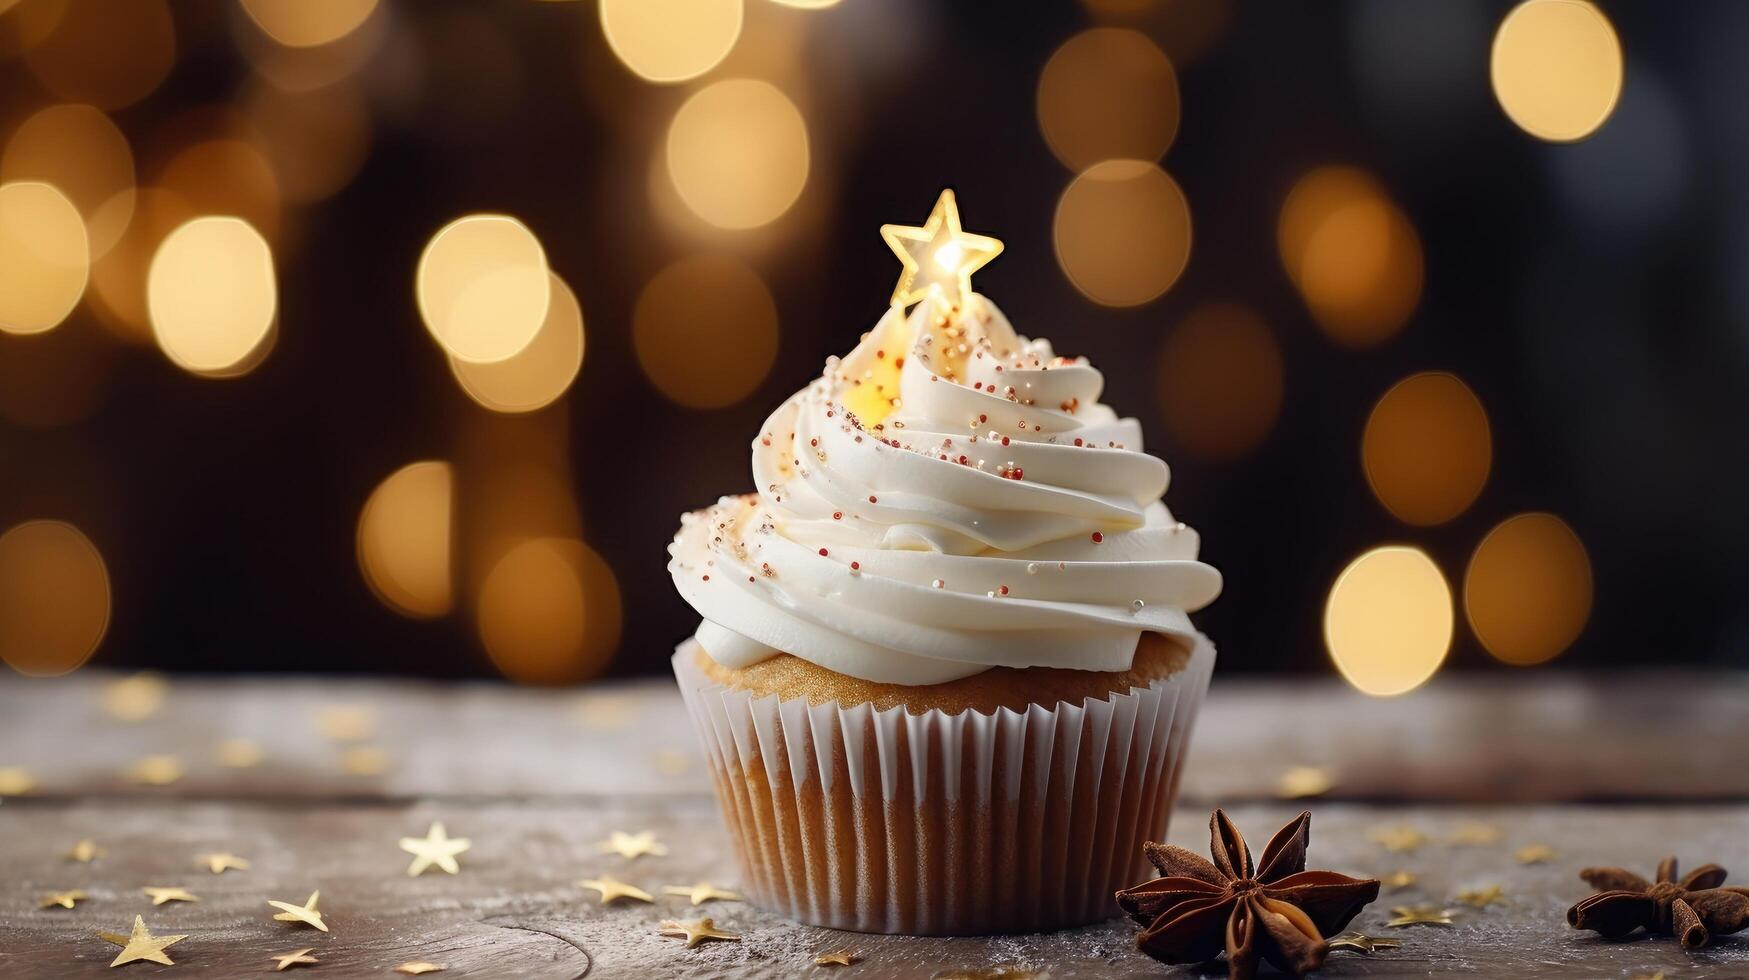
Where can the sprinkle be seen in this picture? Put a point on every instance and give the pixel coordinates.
(1078, 441)
(1136, 606)
(838, 515)
(938, 583)
(1097, 537)
(707, 578)
(822, 552)
(1000, 590)
(871, 498)
(856, 566)
(1005, 440)
(983, 418)
(1032, 568)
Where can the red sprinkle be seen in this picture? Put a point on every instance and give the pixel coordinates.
(871, 498)
(707, 578)
(1097, 537)
(1002, 590)
(1018, 472)
(822, 552)
(1004, 440)
(838, 515)
(1077, 440)
(855, 565)
(983, 418)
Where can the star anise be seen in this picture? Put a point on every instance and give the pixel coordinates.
(1278, 911)
(1693, 909)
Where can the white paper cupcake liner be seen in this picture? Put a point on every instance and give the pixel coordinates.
(937, 823)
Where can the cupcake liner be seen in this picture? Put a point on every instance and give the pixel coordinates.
(944, 824)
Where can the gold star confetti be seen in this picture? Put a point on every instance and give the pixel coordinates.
(346, 722)
(605, 712)
(1303, 782)
(1360, 942)
(939, 253)
(838, 957)
(701, 893)
(65, 900)
(696, 931)
(223, 861)
(671, 762)
(16, 781)
(141, 945)
(85, 852)
(1481, 898)
(1398, 839)
(1398, 880)
(436, 847)
(161, 895)
(633, 845)
(612, 889)
(305, 913)
(1419, 915)
(1534, 854)
(299, 958)
(135, 698)
(1475, 834)
(155, 770)
(416, 967)
(239, 753)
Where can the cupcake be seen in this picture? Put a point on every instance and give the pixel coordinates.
(946, 674)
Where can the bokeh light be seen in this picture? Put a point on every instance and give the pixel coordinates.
(1220, 381)
(1353, 254)
(737, 152)
(405, 534)
(1122, 232)
(1527, 592)
(1388, 620)
(106, 53)
(226, 176)
(705, 331)
(537, 375)
(54, 598)
(315, 141)
(81, 152)
(1427, 448)
(1107, 94)
(549, 612)
(483, 288)
(118, 279)
(211, 296)
(671, 40)
(27, 24)
(308, 23)
(45, 257)
(1556, 68)
(292, 69)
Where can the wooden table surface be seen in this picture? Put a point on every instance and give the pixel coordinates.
(1618, 771)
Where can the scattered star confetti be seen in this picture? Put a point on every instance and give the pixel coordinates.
(155, 770)
(135, 698)
(838, 957)
(364, 760)
(1475, 833)
(346, 722)
(63, 899)
(1360, 942)
(85, 852)
(696, 931)
(701, 892)
(612, 889)
(299, 958)
(1481, 898)
(605, 712)
(671, 762)
(141, 945)
(223, 861)
(239, 753)
(16, 781)
(305, 913)
(1535, 854)
(416, 967)
(633, 845)
(436, 847)
(1303, 782)
(1419, 915)
(1398, 839)
(174, 894)
(1398, 880)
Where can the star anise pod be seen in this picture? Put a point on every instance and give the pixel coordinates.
(1278, 911)
(1693, 909)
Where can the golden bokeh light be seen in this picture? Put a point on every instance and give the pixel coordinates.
(808, 4)
(105, 53)
(308, 23)
(671, 40)
(315, 141)
(483, 288)
(78, 150)
(1220, 381)
(26, 25)
(1107, 94)
(1122, 232)
(1427, 448)
(45, 257)
(1528, 589)
(118, 279)
(737, 153)
(211, 296)
(1556, 68)
(537, 375)
(54, 598)
(705, 331)
(292, 69)
(1353, 254)
(549, 612)
(405, 533)
(226, 176)
(1388, 620)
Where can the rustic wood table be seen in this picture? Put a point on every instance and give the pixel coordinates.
(315, 780)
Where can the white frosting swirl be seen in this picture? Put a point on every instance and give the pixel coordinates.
(948, 498)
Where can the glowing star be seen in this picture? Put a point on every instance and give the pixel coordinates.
(1535, 854)
(1475, 833)
(939, 253)
(436, 847)
(1419, 915)
(1399, 839)
(1302, 782)
(85, 852)
(416, 967)
(223, 861)
(161, 895)
(612, 889)
(633, 845)
(696, 931)
(1481, 898)
(305, 913)
(141, 945)
(301, 957)
(65, 900)
(838, 957)
(16, 781)
(701, 893)
(1360, 942)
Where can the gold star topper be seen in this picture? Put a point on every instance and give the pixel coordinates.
(300, 957)
(305, 913)
(414, 968)
(65, 899)
(1419, 915)
(612, 889)
(939, 253)
(436, 847)
(1360, 942)
(837, 957)
(141, 945)
(696, 931)
(1535, 854)
(176, 894)
(1481, 898)
(85, 852)
(223, 861)
(633, 845)
(16, 781)
(701, 893)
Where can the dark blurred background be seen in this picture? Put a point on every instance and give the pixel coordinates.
(1256, 218)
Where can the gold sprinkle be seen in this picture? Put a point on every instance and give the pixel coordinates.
(1398, 880)
(612, 890)
(1398, 839)
(701, 892)
(1360, 942)
(305, 913)
(346, 722)
(1475, 833)
(16, 781)
(633, 845)
(837, 957)
(155, 770)
(239, 753)
(416, 967)
(136, 697)
(288, 960)
(159, 895)
(364, 760)
(85, 852)
(222, 861)
(1534, 854)
(1481, 898)
(696, 931)
(436, 847)
(1304, 782)
(65, 899)
(141, 945)
(1419, 915)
